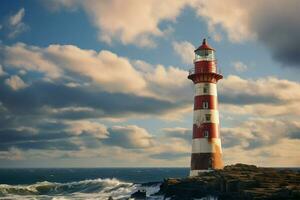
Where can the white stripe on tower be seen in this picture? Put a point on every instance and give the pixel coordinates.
(203, 145)
(206, 116)
(199, 89)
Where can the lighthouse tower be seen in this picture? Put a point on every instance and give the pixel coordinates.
(206, 145)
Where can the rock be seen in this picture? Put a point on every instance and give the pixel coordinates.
(238, 181)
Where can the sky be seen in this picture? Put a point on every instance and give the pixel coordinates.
(104, 83)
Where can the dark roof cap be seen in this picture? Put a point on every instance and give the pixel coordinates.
(205, 46)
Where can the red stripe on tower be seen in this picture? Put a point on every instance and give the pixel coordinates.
(206, 145)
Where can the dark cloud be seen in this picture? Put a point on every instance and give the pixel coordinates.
(43, 104)
(294, 134)
(278, 27)
(32, 100)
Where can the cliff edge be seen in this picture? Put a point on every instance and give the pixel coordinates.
(238, 181)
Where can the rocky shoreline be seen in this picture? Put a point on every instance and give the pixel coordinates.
(238, 181)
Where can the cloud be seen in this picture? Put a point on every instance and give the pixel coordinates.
(11, 154)
(240, 66)
(104, 69)
(15, 24)
(263, 142)
(117, 20)
(58, 101)
(79, 73)
(279, 89)
(129, 136)
(17, 18)
(179, 132)
(243, 21)
(15, 82)
(233, 19)
(262, 97)
(282, 154)
(259, 132)
(87, 127)
(29, 58)
(185, 51)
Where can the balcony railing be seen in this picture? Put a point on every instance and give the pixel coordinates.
(214, 70)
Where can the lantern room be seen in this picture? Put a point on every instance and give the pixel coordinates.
(204, 52)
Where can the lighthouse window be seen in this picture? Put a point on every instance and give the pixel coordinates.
(205, 89)
(205, 105)
(207, 117)
(206, 133)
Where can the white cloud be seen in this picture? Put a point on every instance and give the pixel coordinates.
(29, 58)
(129, 136)
(258, 132)
(240, 66)
(131, 22)
(87, 127)
(234, 19)
(16, 25)
(262, 97)
(185, 51)
(17, 18)
(282, 154)
(281, 89)
(15, 82)
(118, 19)
(264, 142)
(105, 69)
(259, 20)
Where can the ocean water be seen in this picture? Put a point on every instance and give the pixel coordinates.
(92, 183)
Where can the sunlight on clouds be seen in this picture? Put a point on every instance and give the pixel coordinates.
(117, 19)
(87, 127)
(15, 82)
(185, 51)
(234, 18)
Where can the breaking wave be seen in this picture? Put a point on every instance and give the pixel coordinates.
(87, 189)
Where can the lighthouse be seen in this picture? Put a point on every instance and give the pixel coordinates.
(206, 144)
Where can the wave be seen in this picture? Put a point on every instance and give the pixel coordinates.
(86, 189)
(106, 187)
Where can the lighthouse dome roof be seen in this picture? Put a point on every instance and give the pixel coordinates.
(204, 46)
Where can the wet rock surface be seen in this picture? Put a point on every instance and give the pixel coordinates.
(238, 181)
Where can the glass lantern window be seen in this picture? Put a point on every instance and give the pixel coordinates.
(205, 55)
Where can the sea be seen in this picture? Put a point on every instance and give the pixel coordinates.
(83, 183)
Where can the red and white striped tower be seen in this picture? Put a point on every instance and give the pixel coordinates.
(206, 145)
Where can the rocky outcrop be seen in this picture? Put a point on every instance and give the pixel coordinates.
(238, 181)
